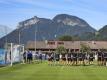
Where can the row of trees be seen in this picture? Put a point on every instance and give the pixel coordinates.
(68, 38)
(85, 49)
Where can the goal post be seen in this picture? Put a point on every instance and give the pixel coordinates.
(14, 53)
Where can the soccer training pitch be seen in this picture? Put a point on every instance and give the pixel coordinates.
(43, 71)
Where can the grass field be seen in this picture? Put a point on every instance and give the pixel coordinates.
(43, 71)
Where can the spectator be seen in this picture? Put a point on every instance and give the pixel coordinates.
(29, 57)
(25, 56)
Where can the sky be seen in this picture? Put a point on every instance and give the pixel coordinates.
(14, 11)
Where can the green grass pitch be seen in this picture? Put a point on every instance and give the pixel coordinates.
(43, 71)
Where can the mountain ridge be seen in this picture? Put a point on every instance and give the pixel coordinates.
(49, 29)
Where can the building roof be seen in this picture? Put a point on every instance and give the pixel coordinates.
(66, 44)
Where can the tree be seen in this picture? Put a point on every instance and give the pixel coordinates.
(85, 49)
(60, 50)
(103, 50)
(65, 38)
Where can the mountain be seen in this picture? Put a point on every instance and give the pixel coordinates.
(73, 25)
(102, 33)
(48, 29)
(4, 30)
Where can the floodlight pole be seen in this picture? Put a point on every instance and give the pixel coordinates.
(19, 37)
(35, 36)
(19, 43)
(6, 37)
(11, 54)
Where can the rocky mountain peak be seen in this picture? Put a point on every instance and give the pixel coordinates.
(70, 20)
(29, 22)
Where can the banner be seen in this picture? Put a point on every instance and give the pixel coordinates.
(2, 56)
